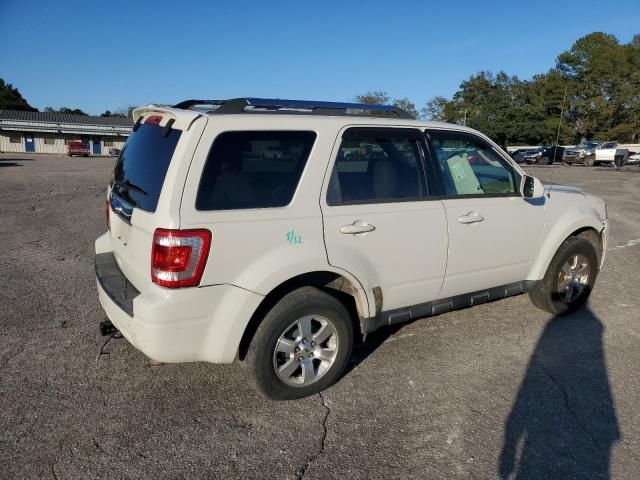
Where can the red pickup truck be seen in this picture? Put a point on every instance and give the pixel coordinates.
(77, 148)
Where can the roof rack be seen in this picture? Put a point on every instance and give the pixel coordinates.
(270, 105)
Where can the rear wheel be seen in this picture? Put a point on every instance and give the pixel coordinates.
(302, 346)
(569, 279)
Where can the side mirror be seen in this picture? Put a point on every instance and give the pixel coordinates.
(532, 187)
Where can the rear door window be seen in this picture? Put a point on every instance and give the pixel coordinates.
(142, 165)
(253, 169)
(377, 165)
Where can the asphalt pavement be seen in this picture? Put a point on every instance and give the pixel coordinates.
(498, 390)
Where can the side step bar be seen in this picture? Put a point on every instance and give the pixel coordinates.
(429, 309)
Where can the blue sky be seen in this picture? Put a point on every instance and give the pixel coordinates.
(109, 54)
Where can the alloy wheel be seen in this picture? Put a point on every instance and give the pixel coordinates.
(573, 278)
(305, 351)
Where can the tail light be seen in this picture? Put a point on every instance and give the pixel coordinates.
(107, 210)
(178, 257)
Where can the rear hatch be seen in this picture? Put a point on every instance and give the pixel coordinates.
(145, 190)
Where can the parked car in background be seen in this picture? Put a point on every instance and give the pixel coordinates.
(114, 152)
(77, 148)
(552, 153)
(583, 153)
(535, 155)
(543, 155)
(609, 152)
(521, 154)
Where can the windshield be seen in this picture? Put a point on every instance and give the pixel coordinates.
(142, 165)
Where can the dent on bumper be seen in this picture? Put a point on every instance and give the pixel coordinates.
(185, 325)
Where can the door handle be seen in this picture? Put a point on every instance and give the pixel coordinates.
(471, 217)
(359, 226)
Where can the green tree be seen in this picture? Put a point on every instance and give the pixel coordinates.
(603, 84)
(11, 98)
(601, 79)
(407, 105)
(440, 109)
(379, 97)
(373, 97)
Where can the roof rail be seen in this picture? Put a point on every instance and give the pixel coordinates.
(277, 105)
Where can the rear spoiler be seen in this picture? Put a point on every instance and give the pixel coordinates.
(182, 119)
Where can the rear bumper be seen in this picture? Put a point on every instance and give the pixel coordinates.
(177, 325)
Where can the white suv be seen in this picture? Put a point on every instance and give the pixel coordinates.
(271, 230)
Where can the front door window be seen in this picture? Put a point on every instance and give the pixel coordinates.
(470, 166)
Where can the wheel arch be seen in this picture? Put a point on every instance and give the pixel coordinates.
(346, 290)
(593, 232)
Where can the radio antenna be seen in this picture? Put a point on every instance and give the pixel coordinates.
(555, 147)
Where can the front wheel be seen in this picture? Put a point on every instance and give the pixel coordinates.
(302, 345)
(569, 279)
(590, 161)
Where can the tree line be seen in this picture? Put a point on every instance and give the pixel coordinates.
(594, 89)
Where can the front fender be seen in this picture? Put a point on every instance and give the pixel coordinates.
(574, 219)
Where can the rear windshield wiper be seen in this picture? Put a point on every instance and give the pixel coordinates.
(126, 184)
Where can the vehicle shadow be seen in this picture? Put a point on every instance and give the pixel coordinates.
(9, 164)
(362, 349)
(563, 422)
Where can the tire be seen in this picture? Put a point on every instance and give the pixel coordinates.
(550, 294)
(544, 161)
(281, 326)
(590, 161)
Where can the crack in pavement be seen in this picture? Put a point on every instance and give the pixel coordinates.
(53, 470)
(567, 405)
(303, 470)
(116, 336)
(563, 392)
(12, 356)
(55, 462)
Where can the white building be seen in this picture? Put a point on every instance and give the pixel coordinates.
(42, 132)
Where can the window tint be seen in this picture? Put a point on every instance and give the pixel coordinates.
(376, 166)
(142, 165)
(253, 169)
(471, 167)
(15, 139)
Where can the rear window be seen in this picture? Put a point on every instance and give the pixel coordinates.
(142, 165)
(253, 169)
